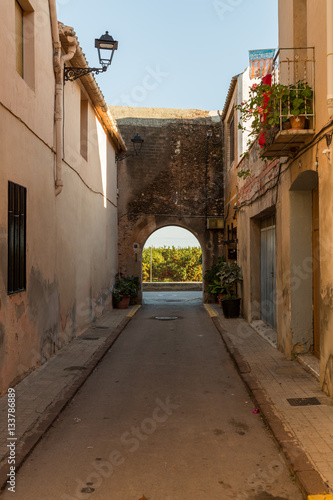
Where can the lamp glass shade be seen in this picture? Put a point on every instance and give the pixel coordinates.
(137, 139)
(106, 46)
(137, 143)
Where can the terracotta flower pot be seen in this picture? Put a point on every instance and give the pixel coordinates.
(124, 303)
(286, 125)
(297, 122)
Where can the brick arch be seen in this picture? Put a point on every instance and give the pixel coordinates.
(176, 180)
(130, 262)
(177, 224)
(174, 224)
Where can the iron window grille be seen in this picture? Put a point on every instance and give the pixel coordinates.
(293, 67)
(17, 200)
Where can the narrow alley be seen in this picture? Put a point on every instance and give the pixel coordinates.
(164, 415)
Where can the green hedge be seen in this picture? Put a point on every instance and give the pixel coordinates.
(172, 264)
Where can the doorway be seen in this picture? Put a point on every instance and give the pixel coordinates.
(268, 271)
(304, 263)
(316, 272)
(172, 265)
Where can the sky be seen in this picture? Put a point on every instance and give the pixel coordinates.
(172, 54)
(175, 53)
(172, 236)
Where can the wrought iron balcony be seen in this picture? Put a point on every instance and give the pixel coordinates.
(295, 69)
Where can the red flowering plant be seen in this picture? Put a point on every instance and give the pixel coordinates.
(269, 106)
(262, 110)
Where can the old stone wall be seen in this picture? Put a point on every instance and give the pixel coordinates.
(176, 180)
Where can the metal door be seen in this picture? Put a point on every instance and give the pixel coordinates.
(268, 271)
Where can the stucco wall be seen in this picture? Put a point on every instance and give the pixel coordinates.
(24, 99)
(289, 193)
(71, 254)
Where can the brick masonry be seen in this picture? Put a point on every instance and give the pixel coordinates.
(176, 180)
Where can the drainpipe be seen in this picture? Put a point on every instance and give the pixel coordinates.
(58, 62)
(329, 17)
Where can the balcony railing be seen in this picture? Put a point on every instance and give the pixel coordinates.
(295, 69)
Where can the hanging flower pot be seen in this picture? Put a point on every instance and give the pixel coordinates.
(297, 122)
(286, 125)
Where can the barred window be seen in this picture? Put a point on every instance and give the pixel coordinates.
(17, 196)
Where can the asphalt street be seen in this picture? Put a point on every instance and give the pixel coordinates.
(164, 415)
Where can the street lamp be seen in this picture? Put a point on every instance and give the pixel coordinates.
(106, 46)
(137, 146)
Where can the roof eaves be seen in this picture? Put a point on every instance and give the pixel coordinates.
(229, 96)
(90, 85)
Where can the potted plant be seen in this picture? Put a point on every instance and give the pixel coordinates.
(299, 104)
(134, 287)
(212, 279)
(271, 106)
(126, 287)
(216, 289)
(230, 275)
(262, 110)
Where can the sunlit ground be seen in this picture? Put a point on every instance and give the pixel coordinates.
(167, 297)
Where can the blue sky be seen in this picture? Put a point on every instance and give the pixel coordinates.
(176, 53)
(172, 236)
(173, 54)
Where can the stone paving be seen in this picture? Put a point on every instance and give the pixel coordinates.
(310, 427)
(41, 395)
(305, 433)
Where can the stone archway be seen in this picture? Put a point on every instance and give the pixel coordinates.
(139, 230)
(176, 180)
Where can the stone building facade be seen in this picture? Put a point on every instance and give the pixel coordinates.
(176, 180)
(284, 208)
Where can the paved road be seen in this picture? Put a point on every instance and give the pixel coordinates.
(164, 415)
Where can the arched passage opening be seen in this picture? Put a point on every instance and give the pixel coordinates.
(304, 263)
(172, 261)
(134, 230)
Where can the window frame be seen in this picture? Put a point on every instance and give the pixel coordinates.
(19, 38)
(17, 208)
(24, 15)
(232, 142)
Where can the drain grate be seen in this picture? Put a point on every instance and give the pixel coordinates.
(166, 318)
(74, 368)
(303, 401)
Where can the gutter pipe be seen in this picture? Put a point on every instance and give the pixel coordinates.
(329, 17)
(58, 63)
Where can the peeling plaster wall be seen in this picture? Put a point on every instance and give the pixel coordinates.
(326, 273)
(71, 250)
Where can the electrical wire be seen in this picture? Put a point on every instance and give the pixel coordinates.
(53, 151)
(315, 140)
